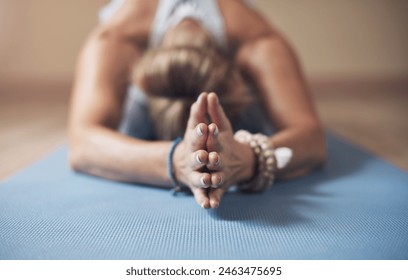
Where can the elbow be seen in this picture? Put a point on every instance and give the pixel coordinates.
(77, 152)
(76, 158)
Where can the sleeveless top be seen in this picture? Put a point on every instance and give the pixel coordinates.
(169, 13)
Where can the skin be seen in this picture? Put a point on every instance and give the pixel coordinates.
(263, 55)
(227, 160)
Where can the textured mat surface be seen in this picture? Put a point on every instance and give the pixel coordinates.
(356, 208)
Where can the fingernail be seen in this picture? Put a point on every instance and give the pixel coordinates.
(216, 131)
(202, 181)
(198, 160)
(199, 131)
(220, 181)
(214, 204)
(202, 204)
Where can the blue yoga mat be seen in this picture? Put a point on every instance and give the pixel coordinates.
(356, 208)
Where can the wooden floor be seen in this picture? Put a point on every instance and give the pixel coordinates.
(372, 115)
(32, 122)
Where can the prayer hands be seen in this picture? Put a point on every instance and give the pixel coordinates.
(209, 160)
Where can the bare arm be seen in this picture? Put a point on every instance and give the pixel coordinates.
(275, 69)
(100, 85)
(270, 62)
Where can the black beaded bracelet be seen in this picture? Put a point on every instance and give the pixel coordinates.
(170, 172)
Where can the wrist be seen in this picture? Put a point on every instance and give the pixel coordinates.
(173, 167)
(264, 160)
(249, 163)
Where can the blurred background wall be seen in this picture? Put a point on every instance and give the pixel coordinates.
(346, 39)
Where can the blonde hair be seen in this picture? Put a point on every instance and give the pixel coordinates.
(173, 77)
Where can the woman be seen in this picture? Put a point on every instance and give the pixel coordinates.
(173, 51)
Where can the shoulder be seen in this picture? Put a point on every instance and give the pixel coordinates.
(131, 22)
(243, 22)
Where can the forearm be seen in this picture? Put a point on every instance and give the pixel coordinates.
(96, 107)
(106, 153)
(293, 112)
(284, 92)
(308, 149)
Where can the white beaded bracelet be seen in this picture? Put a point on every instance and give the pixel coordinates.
(265, 161)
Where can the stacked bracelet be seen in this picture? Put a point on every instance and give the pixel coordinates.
(264, 155)
(176, 185)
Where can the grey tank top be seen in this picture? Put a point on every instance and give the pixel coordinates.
(171, 12)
